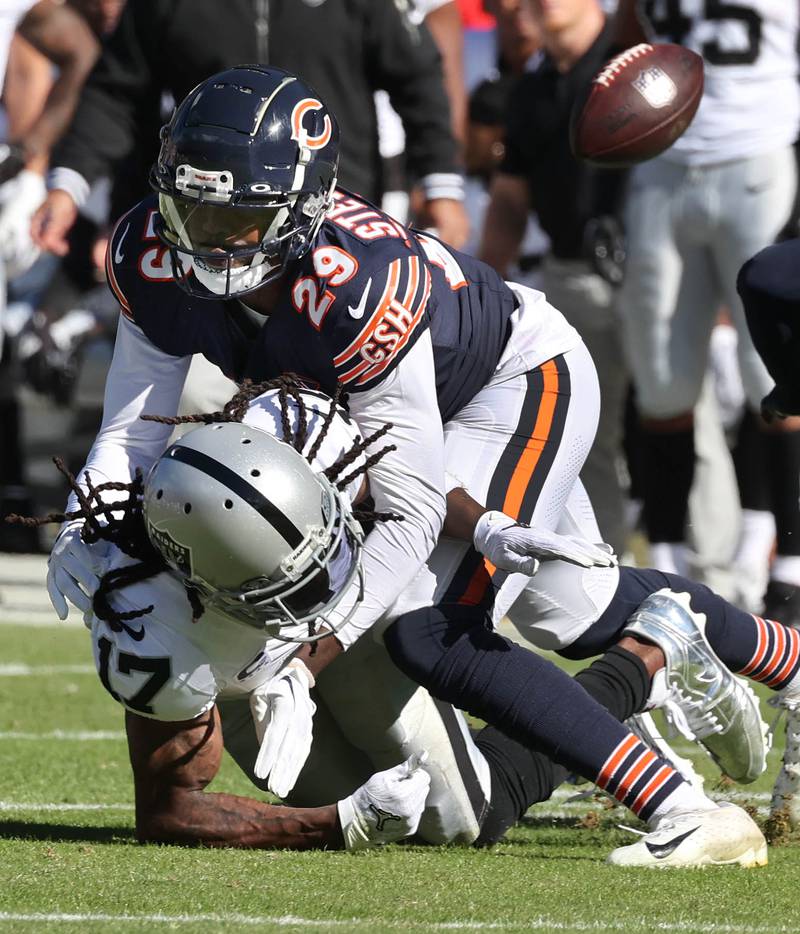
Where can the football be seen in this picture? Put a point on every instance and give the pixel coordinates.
(637, 105)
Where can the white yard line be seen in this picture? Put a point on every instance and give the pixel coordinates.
(533, 924)
(37, 618)
(71, 735)
(6, 806)
(21, 670)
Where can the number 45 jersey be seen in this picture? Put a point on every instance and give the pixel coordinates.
(751, 102)
(351, 308)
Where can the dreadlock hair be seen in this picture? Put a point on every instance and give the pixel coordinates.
(290, 386)
(123, 521)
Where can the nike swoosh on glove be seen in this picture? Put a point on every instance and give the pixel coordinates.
(388, 807)
(74, 569)
(518, 548)
(284, 718)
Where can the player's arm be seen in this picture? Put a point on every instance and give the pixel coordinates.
(505, 222)
(119, 104)
(509, 190)
(172, 765)
(141, 380)
(63, 36)
(407, 63)
(407, 481)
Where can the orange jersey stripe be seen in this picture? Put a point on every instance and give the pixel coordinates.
(389, 292)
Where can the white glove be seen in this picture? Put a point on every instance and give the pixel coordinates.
(19, 199)
(388, 807)
(516, 547)
(74, 569)
(284, 718)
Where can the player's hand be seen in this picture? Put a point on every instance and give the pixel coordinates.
(516, 547)
(74, 569)
(448, 218)
(53, 221)
(284, 717)
(19, 198)
(388, 807)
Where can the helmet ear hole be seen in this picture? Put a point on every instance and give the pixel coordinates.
(228, 504)
(187, 508)
(255, 473)
(159, 494)
(245, 441)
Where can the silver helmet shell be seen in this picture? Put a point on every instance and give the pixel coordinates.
(242, 517)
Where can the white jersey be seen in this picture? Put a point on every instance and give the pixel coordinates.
(166, 666)
(751, 101)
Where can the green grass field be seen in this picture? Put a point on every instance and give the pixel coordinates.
(68, 858)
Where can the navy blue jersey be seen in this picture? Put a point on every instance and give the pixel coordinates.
(352, 307)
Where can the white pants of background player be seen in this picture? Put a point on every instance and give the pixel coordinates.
(689, 231)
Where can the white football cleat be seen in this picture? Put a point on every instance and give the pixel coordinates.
(386, 808)
(724, 835)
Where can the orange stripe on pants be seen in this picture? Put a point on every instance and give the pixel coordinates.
(521, 478)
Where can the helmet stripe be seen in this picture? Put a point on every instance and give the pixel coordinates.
(244, 490)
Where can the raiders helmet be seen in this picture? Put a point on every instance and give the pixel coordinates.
(245, 176)
(242, 518)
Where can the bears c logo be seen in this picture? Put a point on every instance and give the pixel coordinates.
(301, 108)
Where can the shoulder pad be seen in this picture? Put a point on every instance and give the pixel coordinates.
(136, 259)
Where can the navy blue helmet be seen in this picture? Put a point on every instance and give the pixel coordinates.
(245, 176)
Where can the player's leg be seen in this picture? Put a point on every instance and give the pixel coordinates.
(667, 304)
(450, 650)
(517, 447)
(387, 718)
(756, 196)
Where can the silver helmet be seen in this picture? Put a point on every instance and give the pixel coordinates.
(242, 518)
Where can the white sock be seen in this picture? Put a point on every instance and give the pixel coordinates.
(684, 798)
(756, 538)
(670, 557)
(786, 568)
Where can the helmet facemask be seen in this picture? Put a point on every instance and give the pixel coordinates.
(234, 249)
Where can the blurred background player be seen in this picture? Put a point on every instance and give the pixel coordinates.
(168, 46)
(50, 47)
(693, 215)
(577, 206)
